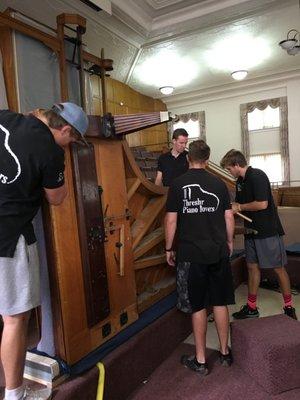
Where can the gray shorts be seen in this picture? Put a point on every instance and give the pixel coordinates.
(267, 253)
(20, 280)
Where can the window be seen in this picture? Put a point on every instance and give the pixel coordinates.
(265, 119)
(192, 128)
(264, 142)
(270, 164)
(265, 133)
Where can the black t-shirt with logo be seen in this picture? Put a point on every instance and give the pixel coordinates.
(172, 167)
(200, 200)
(255, 186)
(30, 160)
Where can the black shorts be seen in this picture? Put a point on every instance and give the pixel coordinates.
(203, 285)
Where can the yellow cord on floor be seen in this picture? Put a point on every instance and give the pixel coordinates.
(100, 389)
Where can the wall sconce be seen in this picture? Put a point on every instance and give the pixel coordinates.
(291, 44)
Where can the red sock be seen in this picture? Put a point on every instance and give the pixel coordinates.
(252, 301)
(287, 298)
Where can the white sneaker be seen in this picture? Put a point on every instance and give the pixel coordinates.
(37, 394)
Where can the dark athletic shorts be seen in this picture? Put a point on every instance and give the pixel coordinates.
(203, 285)
(267, 253)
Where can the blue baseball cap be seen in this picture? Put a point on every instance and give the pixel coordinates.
(74, 116)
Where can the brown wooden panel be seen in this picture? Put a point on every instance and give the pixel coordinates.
(150, 261)
(111, 176)
(6, 48)
(92, 234)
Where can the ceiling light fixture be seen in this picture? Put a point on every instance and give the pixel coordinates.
(291, 44)
(239, 75)
(166, 90)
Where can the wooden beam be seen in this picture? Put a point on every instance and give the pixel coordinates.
(149, 242)
(133, 188)
(151, 261)
(146, 218)
(106, 64)
(8, 62)
(64, 93)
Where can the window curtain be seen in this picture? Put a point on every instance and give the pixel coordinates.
(196, 116)
(280, 102)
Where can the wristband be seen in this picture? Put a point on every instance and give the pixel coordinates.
(168, 250)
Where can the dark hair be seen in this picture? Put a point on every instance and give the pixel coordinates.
(199, 151)
(179, 132)
(55, 121)
(233, 157)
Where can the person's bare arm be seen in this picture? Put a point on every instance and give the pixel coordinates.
(158, 179)
(229, 221)
(253, 206)
(170, 229)
(56, 196)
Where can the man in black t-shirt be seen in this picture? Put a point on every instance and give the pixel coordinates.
(265, 249)
(173, 163)
(31, 167)
(198, 207)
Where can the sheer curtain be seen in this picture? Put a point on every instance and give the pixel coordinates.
(280, 102)
(196, 116)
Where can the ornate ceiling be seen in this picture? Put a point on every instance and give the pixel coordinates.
(191, 44)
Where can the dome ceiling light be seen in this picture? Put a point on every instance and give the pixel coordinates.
(239, 75)
(166, 90)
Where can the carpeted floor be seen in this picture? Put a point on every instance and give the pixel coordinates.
(172, 381)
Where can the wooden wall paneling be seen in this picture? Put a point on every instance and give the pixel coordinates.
(97, 106)
(121, 109)
(109, 89)
(9, 72)
(110, 107)
(159, 105)
(136, 100)
(129, 97)
(119, 91)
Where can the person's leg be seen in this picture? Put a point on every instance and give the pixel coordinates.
(221, 317)
(13, 348)
(285, 286)
(250, 310)
(284, 280)
(253, 284)
(199, 321)
(253, 278)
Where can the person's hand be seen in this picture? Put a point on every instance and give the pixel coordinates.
(170, 255)
(230, 248)
(236, 207)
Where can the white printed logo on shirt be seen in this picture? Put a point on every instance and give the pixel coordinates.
(15, 169)
(198, 200)
(60, 177)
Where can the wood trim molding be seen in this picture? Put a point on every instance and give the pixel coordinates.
(9, 69)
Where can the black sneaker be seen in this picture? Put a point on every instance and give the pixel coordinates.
(225, 359)
(192, 363)
(290, 312)
(246, 312)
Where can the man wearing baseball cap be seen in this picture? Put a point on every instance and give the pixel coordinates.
(31, 167)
